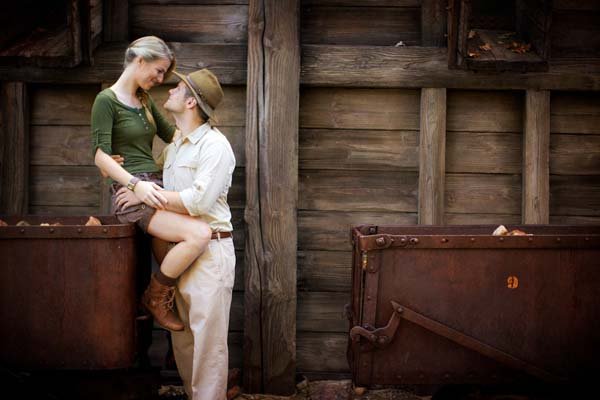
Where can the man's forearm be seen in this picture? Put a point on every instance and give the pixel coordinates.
(174, 202)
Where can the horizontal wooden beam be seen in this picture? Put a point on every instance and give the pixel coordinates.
(227, 61)
(324, 65)
(417, 67)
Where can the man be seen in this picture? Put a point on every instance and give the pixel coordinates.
(197, 172)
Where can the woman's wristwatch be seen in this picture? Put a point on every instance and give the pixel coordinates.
(131, 185)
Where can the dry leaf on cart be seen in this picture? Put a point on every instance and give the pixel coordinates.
(2, 223)
(485, 47)
(93, 221)
(472, 34)
(500, 231)
(473, 54)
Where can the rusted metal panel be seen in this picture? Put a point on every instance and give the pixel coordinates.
(436, 305)
(67, 294)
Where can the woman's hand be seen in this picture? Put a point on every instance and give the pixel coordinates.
(149, 193)
(126, 198)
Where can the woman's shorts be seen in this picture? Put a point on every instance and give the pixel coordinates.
(139, 214)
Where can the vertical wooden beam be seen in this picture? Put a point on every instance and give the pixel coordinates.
(116, 20)
(432, 156)
(14, 135)
(271, 196)
(433, 23)
(536, 158)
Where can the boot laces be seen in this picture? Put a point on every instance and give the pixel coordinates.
(168, 298)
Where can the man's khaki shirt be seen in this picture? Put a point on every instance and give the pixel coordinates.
(199, 167)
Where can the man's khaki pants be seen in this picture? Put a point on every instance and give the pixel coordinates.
(203, 301)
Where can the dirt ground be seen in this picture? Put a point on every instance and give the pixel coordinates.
(317, 390)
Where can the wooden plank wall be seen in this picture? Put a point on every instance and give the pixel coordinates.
(575, 29)
(483, 157)
(355, 22)
(575, 158)
(358, 163)
(63, 178)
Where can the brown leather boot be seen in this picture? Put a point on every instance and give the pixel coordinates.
(158, 299)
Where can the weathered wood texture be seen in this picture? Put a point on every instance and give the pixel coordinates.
(574, 157)
(14, 148)
(362, 26)
(432, 156)
(335, 65)
(358, 164)
(187, 23)
(575, 32)
(433, 23)
(116, 20)
(272, 190)
(483, 182)
(536, 154)
(354, 149)
(330, 230)
(343, 108)
(227, 61)
(64, 180)
(417, 67)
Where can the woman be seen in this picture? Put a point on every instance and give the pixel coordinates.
(124, 122)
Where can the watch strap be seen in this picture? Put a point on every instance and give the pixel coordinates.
(131, 184)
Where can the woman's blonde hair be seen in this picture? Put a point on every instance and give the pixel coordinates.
(149, 48)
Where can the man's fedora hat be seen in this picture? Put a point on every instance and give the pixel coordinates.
(205, 87)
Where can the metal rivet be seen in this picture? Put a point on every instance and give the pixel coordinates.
(79, 230)
(51, 230)
(501, 239)
(414, 240)
(380, 241)
(530, 239)
(444, 240)
(22, 230)
(587, 239)
(558, 239)
(472, 240)
(372, 230)
(368, 297)
(104, 230)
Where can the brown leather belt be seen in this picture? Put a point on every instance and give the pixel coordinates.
(220, 235)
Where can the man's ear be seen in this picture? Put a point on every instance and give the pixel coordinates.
(190, 102)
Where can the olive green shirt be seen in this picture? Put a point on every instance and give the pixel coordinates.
(120, 129)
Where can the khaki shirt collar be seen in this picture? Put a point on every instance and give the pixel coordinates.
(198, 133)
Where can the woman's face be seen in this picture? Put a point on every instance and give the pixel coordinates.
(151, 73)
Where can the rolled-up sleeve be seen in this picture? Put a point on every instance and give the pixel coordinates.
(102, 124)
(210, 180)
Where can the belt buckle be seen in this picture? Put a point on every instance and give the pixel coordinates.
(218, 236)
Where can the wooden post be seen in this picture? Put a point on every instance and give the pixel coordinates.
(536, 155)
(271, 196)
(433, 23)
(432, 156)
(116, 20)
(14, 148)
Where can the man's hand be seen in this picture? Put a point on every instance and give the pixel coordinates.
(126, 198)
(149, 193)
(120, 160)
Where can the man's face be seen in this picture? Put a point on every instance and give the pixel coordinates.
(176, 103)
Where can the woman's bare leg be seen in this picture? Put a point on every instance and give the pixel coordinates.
(191, 234)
